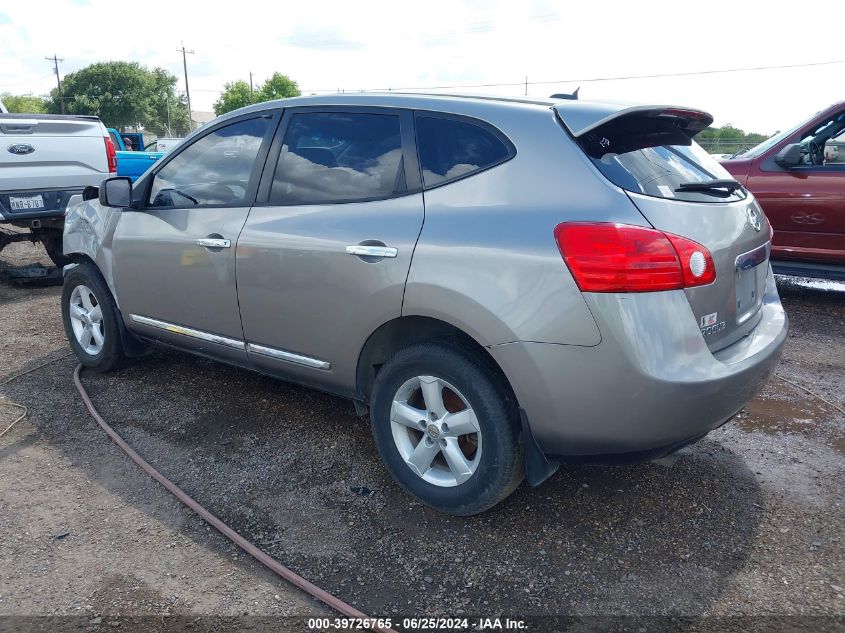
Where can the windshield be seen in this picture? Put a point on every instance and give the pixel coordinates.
(769, 143)
(654, 158)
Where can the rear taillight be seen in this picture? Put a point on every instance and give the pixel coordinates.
(696, 261)
(111, 155)
(622, 258)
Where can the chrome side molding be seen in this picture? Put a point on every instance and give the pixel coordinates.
(186, 331)
(263, 350)
(280, 354)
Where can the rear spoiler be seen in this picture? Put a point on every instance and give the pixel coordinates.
(581, 117)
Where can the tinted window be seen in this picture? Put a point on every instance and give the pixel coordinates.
(213, 170)
(339, 157)
(654, 157)
(450, 148)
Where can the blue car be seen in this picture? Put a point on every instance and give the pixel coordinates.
(132, 162)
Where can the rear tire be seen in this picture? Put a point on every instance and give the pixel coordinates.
(462, 469)
(53, 244)
(91, 321)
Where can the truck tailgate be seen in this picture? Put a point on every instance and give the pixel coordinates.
(50, 152)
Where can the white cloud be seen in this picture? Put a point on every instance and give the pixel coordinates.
(343, 45)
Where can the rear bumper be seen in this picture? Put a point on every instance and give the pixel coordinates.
(56, 201)
(651, 383)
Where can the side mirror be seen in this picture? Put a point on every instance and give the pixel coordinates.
(116, 192)
(789, 156)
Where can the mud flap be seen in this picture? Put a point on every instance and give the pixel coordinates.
(538, 467)
(132, 347)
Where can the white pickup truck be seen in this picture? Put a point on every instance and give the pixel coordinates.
(45, 160)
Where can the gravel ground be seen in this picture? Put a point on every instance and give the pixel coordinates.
(748, 524)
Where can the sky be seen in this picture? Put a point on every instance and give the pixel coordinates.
(328, 45)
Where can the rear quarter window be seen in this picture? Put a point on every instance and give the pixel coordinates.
(451, 148)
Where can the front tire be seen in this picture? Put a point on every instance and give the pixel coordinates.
(447, 428)
(90, 319)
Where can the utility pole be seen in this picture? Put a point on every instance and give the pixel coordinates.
(187, 90)
(526, 85)
(56, 61)
(250, 87)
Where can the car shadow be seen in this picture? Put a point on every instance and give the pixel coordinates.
(296, 472)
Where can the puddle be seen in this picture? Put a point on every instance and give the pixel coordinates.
(774, 413)
(777, 415)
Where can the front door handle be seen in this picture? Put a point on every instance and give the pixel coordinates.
(362, 250)
(211, 242)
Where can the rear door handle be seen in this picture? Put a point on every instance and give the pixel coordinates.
(210, 242)
(361, 250)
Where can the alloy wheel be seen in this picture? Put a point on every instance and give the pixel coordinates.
(436, 431)
(86, 319)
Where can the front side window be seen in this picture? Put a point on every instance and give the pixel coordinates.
(821, 146)
(452, 148)
(214, 170)
(334, 157)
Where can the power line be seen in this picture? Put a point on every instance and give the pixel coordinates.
(526, 83)
(56, 61)
(28, 81)
(588, 79)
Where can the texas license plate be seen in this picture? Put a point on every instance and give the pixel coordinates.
(26, 203)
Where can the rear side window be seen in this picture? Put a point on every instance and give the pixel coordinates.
(452, 148)
(655, 157)
(214, 170)
(333, 157)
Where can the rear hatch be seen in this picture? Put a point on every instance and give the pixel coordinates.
(51, 152)
(648, 151)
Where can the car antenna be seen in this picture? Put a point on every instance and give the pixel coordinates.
(564, 95)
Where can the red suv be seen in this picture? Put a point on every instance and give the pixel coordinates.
(798, 176)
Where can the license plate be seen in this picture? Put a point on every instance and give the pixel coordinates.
(752, 268)
(26, 203)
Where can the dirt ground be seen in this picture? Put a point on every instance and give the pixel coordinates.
(746, 530)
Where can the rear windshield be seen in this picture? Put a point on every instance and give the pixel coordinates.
(655, 156)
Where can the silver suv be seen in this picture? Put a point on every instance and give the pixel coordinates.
(505, 284)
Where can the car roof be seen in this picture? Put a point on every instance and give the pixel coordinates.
(457, 103)
(579, 115)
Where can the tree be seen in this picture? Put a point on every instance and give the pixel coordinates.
(169, 115)
(279, 86)
(236, 94)
(25, 104)
(727, 139)
(124, 94)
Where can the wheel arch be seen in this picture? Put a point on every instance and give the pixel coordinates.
(132, 346)
(398, 333)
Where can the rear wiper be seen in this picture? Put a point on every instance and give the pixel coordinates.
(728, 184)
